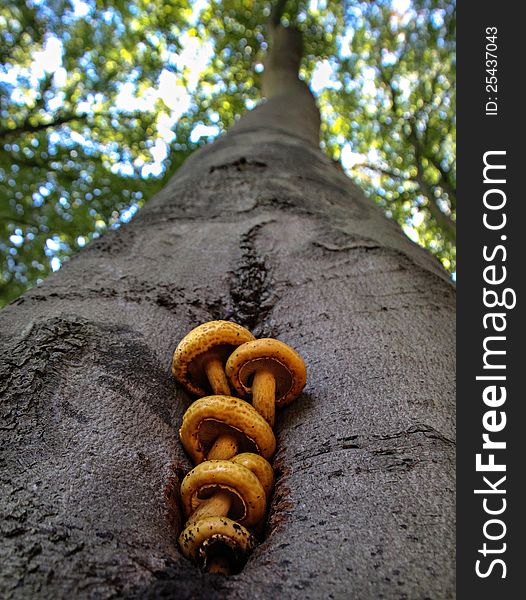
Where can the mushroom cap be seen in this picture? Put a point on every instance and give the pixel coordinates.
(198, 538)
(217, 338)
(249, 500)
(281, 360)
(209, 417)
(259, 466)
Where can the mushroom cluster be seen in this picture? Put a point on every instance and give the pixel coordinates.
(229, 439)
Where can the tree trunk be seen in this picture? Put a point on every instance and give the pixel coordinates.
(262, 229)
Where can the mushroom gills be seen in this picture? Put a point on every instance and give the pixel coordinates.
(221, 556)
(217, 544)
(211, 364)
(209, 418)
(198, 361)
(207, 483)
(283, 380)
(221, 441)
(269, 370)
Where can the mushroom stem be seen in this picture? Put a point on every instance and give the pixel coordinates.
(216, 506)
(264, 395)
(216, 376)
(225, 447)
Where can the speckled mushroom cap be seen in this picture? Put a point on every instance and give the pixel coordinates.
(259, 466)
(248, 494)
(209, 417)
(215, 337)
(281, 360)
(199, 537)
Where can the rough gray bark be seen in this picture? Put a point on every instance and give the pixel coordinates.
(262, 229)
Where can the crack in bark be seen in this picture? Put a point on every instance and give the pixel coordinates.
(426, 430)
(168, 296)
(404, 263)
(359, 245)
(281, 504)
(371, 445)
(251, 286)
(172, 497)
(241, 164)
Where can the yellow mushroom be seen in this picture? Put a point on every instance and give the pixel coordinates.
(243, 497)
(259, 466)
(269, 370)
(220, 503)
(239, 488)
(218, 544)
(198, 361)
(209, 420)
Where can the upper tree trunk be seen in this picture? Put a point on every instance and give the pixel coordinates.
(262, 229)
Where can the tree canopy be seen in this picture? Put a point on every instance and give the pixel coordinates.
(101, 101)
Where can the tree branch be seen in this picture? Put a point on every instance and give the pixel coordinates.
(34, 163)
(20, 220)
(277, 12)
(421, 149)
(445, 183)
(378, 169)
(28, 127)
(446, 223)
(443, 220)
(440, 217)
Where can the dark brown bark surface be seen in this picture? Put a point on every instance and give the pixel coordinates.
(262, 229)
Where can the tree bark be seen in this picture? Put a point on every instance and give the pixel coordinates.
(259, 228)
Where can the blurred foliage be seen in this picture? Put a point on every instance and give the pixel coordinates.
(394, 102)
(101, 101)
